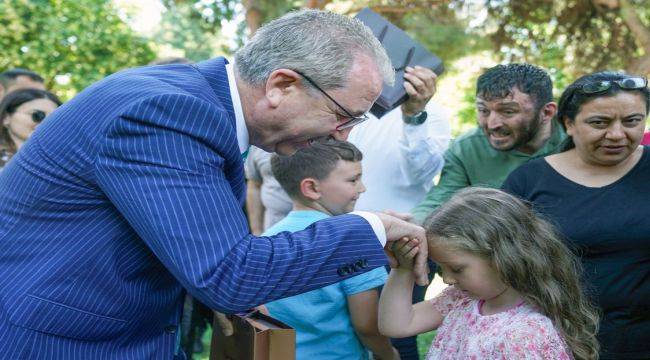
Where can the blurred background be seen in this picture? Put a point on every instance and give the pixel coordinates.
(75, 43)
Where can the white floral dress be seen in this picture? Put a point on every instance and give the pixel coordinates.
(518, 333)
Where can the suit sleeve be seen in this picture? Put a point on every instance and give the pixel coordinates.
(169, 164)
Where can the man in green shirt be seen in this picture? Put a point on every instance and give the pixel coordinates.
(515, 125)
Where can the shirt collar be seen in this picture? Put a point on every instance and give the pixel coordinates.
(240, 122)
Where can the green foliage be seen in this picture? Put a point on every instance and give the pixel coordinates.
(206, 14)
(442, 33)
(467, 114)
(196, 38)
(572, 36)
(84, 39)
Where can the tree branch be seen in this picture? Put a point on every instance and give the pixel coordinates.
(633, 22)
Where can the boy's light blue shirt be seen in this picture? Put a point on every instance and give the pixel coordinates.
(321, 317)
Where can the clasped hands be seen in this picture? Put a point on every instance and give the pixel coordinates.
(399, 232)
(398, 228)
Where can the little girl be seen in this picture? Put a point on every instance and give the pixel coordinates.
(514, 286)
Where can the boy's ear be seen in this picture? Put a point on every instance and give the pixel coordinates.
(310, 189)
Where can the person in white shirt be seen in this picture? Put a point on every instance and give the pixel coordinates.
(266, 201)
(403, 150)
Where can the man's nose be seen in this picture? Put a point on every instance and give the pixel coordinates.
(341, 135)
(494, 120)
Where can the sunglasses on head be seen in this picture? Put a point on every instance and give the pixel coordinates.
(37, 115)
(632, 83)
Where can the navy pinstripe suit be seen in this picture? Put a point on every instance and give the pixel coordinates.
(129, 193)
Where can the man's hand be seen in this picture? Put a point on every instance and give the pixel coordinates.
(400, 215)
(397, 229)
(420, 85)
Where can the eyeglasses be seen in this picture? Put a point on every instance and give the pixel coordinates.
(354, 120)
(37, 115)
(632, 83)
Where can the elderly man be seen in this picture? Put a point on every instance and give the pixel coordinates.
(516, 114)
(133, 190)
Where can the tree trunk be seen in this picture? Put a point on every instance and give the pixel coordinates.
(316, 4)
(641, 33)
(640, 65)
(253, 16)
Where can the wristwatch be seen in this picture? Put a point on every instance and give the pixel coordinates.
(416, 119)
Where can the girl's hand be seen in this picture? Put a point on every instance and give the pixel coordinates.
(405, 250)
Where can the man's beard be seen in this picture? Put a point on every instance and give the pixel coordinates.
(526, 133)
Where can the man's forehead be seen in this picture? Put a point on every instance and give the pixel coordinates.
(514, 97)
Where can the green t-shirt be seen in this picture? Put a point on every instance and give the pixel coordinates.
(471, 161)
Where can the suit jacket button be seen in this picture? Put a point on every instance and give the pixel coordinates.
(171, 329)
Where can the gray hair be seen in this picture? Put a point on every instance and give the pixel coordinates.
(319, 44)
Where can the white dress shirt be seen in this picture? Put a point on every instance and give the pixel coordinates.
(399, 160)
(242, 140)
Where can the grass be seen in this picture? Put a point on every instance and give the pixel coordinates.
(424, 341)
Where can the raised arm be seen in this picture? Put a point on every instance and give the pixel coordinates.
(398, 317)
(421, 145)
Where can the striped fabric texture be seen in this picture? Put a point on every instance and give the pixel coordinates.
(126, 196)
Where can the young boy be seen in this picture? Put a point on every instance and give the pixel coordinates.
(338, 321)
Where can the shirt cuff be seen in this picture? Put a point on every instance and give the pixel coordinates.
(375, 223)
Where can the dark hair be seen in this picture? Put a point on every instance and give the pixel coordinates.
(498, 82)
(11, 102)
(316, 161)
(9, 76)
(572, 98)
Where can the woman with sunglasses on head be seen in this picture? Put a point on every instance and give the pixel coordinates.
(597, 192)
(20, 112)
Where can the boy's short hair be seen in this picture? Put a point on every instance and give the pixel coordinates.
(316, 161)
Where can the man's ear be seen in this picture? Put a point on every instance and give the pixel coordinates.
(310, 189)
(548, 111)
(281, 82)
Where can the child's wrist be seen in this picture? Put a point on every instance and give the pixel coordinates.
(402, 271)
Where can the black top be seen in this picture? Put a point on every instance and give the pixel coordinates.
(609, 227)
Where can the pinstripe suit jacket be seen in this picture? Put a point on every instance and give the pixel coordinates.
(129, 193)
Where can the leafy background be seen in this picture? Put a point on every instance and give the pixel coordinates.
(74, 43)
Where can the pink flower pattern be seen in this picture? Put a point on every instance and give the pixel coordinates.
(518, 333)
